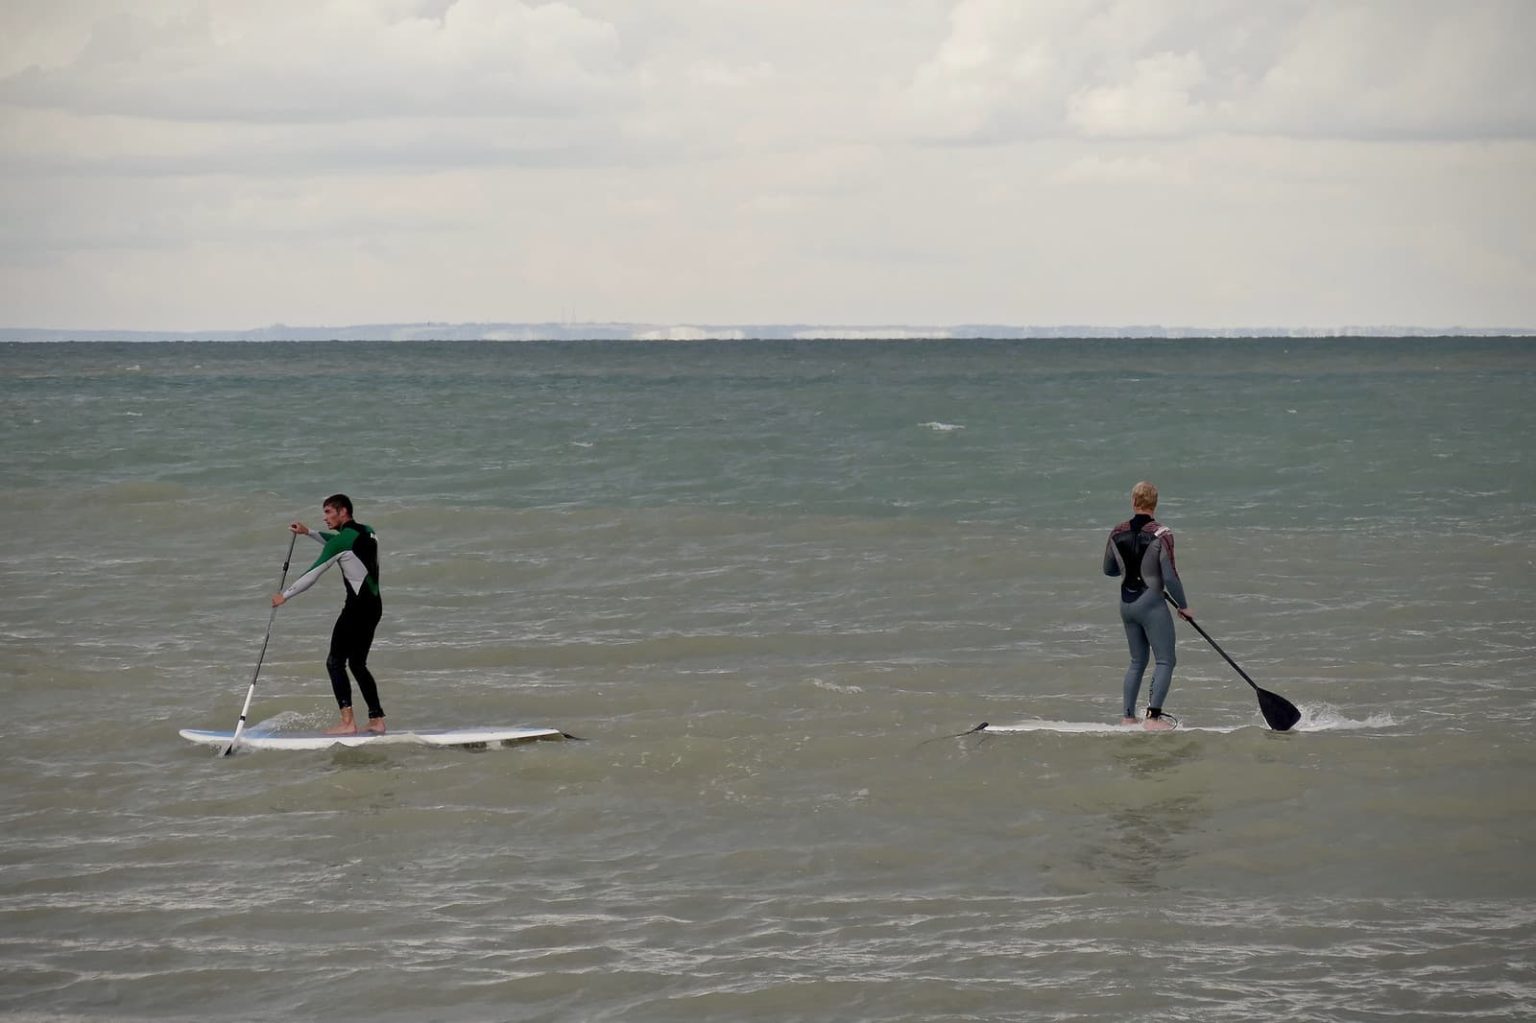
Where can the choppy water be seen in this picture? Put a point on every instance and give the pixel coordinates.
(765, 580)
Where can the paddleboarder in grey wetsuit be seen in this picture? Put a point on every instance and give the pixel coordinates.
(1140, 551)
(352, 546)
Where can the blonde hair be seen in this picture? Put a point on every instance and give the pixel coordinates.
(1144, 497)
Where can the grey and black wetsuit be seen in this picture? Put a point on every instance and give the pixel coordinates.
(1141, 552)
(355, 548)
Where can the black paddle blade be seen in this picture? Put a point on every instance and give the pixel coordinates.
(1280, 713)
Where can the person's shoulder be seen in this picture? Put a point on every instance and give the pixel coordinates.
(1124, 527)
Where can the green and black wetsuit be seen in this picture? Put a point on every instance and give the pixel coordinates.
(355, 548)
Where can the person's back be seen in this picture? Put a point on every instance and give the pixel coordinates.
(1138, 551)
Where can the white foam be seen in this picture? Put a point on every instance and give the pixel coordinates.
(1327, 718)
(834, 687)
(287, 721)
(942, 427)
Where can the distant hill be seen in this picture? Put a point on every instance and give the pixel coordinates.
(734, 332)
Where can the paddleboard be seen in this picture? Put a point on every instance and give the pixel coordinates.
(460, 737)
(1101, 728)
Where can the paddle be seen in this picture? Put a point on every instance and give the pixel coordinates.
(1280, 713)
(240, 725)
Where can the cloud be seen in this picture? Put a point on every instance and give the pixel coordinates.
(287, 86)
(1342, 68)
(1405, 70)
(1119, 170)
(1155, 100)
(197, 162)
(291, 87)
(998, 73)
(336, 60)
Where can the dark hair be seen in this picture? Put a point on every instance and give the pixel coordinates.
(341, 501)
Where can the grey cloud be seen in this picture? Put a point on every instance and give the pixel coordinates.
(337, 63)
(1369, 70)
(399, 146)
(1091, 160)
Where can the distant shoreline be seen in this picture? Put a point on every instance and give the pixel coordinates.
(744, 332)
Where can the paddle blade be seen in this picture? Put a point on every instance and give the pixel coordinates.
(1280, 713)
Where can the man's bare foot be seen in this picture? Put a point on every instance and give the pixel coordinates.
(1157, 725)
(1128, 721)
(347, 725)
(376, 726)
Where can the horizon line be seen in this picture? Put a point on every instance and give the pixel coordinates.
(557, 330)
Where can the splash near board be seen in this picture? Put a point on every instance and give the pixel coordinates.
(463, 738)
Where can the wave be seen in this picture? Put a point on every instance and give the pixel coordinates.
(1326, 718)
(140, 492)
(834, 687)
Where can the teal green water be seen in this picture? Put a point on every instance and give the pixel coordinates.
(759, 578)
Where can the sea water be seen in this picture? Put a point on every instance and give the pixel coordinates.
(769, 584)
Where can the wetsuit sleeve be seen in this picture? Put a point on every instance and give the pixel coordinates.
(1111, 561)
(1171, 581)
(335, 547)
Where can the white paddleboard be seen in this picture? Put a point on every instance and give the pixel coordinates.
(1101, 728)
(461, 737)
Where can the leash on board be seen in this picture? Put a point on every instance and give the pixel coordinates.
(958, 735)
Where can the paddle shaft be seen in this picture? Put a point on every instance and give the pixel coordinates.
(1236, 667)
(1279, 713)
(240, 725)
(1217, 647)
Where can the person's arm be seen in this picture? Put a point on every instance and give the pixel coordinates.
(1171, 581)
(1111, 560)
(335, 547)
(317, 535)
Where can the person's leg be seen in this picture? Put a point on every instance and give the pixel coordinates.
(357, 659)
(336, 667)
(1158, 623)
(1136, 639)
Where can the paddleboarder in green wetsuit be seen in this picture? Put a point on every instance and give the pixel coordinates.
(351, 545)
(1140, 551)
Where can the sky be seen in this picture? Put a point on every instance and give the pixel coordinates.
(207, 164)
